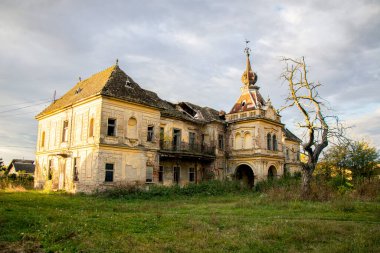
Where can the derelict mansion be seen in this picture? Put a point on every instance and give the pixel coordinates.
(107, 130)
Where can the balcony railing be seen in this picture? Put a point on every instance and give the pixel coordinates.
(184, 147)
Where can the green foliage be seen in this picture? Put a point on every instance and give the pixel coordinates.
(38, 222)
(12, 180)
(207, 188)
(349, 161)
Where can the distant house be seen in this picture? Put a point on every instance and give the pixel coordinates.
(21, 167)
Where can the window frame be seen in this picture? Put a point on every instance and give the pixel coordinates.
(150, 133)
(109, 170)
(161, 172)
(192, 175)
(91, 128)
(76, 162)
(269, 141)
(179, 175)
(221, 141)
(65, 131)
(43, 135)
(150, 179)
(111, 125)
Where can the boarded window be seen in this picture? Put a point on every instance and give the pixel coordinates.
(150, 133)
(109, 172)
(161, 174)
(221, 142)
(191, 175)
(91, 128)
(76, 169)
(247, 141)
(132, 128)
(111, 129)
(43, 139)
(238, 142)
(149, 174)
(65, 131)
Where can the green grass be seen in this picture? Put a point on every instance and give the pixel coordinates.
(33, 221)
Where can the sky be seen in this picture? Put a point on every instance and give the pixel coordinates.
(187, 51)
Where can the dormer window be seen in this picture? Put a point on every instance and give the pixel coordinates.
(243, 103)
(77, 91)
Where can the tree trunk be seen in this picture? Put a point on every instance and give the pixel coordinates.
(306, 183)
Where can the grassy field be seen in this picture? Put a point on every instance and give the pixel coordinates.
(34, 221)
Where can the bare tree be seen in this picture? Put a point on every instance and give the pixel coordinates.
(319, 128)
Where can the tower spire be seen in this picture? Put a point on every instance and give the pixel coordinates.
(249, 77)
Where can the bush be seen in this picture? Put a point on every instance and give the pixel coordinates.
(14, 181)
(208, 188)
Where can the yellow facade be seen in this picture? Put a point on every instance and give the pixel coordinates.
(108, 131)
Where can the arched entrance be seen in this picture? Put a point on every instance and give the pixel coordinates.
(245, 174)
(272, 172)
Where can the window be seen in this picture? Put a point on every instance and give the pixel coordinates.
(111, 127)
(192, 140)
(269, 141)
(274, 143)
(176, 175)
(221, 141)
(150, 133)
(247, 141)
(298, 155)
(43, 139)
(191, 175)
(50, 170)
(238, 141)
(76, 169)
(132, 128)
(65, 131)
(162, 133)
(287, 154)
(109, 172)
(91, 128)
(149, 174)
(161, 174)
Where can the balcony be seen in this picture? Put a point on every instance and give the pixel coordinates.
(186, 149)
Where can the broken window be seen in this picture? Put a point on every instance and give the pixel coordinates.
(91, 128)
(111, 127)
(149, 174)
(65, 131)
(161, 174)
(221, 141)
(50, 170)
(76, 169)
(191, 175)
(274, 143)
(109, 172)
(192, 140)
(176, 174)
(269, 141)
(150, 133)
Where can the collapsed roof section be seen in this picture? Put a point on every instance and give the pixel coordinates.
(115, 83)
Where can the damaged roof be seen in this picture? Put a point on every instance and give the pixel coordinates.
(114, 82)
(22, 165)
(290, 136)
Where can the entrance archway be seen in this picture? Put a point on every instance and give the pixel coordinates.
(245, 174)
(272, 172)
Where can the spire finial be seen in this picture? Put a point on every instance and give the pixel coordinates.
(247, 50)
(117, 62)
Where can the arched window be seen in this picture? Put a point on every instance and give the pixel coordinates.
(247, 141)
(274, 143)
(238, 141)
(269, 141)
(132, 128)
(91, 128)
(43, 139)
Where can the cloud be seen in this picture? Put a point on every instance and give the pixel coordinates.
(186, 50)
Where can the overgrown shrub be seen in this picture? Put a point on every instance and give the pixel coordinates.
(13, 181)
(208, 188)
